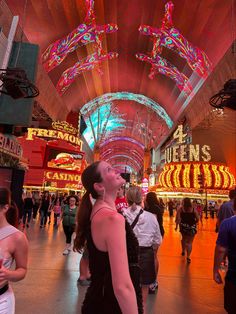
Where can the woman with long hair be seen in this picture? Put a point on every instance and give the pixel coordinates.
(13, 248)
(187, 219)
(112, 246)
(153, 206)
(146, 229)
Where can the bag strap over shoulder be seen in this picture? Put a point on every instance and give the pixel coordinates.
(136, 219)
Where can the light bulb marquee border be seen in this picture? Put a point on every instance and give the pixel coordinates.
(188, 167)
(184, 175)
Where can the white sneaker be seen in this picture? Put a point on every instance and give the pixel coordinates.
(66, 252)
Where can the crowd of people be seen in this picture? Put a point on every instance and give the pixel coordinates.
(118, 233)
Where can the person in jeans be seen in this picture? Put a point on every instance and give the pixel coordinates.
(68, 220)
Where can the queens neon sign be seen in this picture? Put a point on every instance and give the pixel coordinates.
(186, 152)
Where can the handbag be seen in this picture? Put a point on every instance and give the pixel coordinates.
(188, 230)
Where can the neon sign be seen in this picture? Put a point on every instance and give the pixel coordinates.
(53, 134)
(170, 37)
(59, 176)
(64, 126)
(185, 152)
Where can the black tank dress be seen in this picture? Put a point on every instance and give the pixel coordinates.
(100, 297)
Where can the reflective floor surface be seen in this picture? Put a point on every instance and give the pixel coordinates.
(51, 282)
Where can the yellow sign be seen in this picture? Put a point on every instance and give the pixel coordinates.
(179, 135)
(54, 134)
(58, 176)
(186, 152)
(64, 126)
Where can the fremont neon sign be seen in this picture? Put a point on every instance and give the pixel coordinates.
(53, 134)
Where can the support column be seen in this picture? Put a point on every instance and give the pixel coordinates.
(146, 162)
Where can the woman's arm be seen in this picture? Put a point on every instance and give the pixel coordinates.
(20, 255)
(114, 234)
(157, 239)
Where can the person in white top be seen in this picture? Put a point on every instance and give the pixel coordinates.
(147, 231)
(13, 247)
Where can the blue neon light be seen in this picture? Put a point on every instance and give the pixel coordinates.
(109, 97)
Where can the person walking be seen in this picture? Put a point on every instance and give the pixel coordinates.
(68, 220)
(13, 250)
(147, 231)
(112, 246)
(187, 219)
(226, 245)
(171, 208)
(36, 200)
(57, 211)
(226, 209)
(44, 205)
(27, 209)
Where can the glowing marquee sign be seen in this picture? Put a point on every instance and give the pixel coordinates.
(59, 176)
(66, 133)
(64, 126)
(186, 152)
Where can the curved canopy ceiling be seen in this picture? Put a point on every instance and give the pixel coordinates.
(154, 57)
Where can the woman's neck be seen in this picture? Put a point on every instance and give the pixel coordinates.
(108, 200)
(3, 223)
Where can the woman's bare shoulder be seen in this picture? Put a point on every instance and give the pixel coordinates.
(19, 236)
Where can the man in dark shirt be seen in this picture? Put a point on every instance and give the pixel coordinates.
(226, 209)
(226, 244)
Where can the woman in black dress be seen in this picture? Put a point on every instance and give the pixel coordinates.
(112, 246)
(187, 218)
